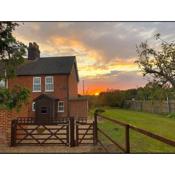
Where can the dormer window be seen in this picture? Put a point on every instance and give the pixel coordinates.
(36, 84)
(49, 84)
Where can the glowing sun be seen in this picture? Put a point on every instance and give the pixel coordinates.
(97, 93)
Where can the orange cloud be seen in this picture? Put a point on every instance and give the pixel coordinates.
(92, 63)
(92, 90)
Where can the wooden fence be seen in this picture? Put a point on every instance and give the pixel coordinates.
(127, 127)
(160, 107)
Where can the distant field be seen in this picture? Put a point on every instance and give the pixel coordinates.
(139, 143)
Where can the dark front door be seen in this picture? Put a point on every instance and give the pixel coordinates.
(45, 113)
(44, 110)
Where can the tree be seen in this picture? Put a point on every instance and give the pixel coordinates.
(11, 56)
(158, 63)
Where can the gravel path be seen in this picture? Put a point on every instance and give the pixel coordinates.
(49, 149)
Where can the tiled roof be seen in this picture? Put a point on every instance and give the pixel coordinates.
(48, 66)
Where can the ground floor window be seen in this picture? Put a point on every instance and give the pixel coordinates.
(61, 106)
(3, 84)
(33, 106)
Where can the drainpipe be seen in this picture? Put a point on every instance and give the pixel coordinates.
(68, 110)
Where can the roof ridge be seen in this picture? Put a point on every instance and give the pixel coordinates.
(58, 57)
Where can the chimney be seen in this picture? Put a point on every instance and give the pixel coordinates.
(33, 51)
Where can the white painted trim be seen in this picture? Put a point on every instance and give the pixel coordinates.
(58, 106)
(33, 104)
(2, 82)
(52, 81)
(7, 84)
(36, 91)
(49, 90)
(33, 85)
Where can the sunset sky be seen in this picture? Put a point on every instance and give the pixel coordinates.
(105, 51)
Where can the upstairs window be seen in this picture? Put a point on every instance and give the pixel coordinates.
(49, 84)
(61, 106)
(36, 84)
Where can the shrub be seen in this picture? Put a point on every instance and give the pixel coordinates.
(171, 115)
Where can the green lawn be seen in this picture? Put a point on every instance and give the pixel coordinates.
(139, 143)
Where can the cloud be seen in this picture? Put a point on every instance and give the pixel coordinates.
(113, 80)
(105, 50)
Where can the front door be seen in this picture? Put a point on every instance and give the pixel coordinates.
(44, 113)
(44, 110)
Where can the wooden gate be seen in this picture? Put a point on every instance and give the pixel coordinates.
(85, 132)
(63, 131)
(25, 131)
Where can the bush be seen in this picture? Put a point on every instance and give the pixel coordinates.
(171, 115)
(99, 110)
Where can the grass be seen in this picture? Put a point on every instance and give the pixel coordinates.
(158, 124)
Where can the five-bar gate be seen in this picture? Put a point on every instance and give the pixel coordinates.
(63, 131)
(85, 132)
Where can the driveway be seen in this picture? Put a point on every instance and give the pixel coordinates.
(50, 149)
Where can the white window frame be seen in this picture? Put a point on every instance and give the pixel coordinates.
(48, 90)
(60, 102)
(33, 106)
(7, 84)
(33, 84)
(3, 85)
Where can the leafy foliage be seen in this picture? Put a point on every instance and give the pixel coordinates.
(158, 63)
(11, 51)
(171, 115)
(11, 56)
(10, 99)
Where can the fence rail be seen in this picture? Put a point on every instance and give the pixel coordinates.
(32, 120)
(127, 134)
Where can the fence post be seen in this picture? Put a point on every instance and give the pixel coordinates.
(77, 136)
(13, 132)
(72, 135)
(127, 141)
(141, 106)
(95, 129)
(169, 105)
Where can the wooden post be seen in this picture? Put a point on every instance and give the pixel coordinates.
(95, 129)
(141, 105)
(169, 105)
(72, 135)
(127, 141)
(13, 132)
(77, 136)
(67, 134)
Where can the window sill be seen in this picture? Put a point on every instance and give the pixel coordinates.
(36, 91)
(49, 90)
(60, 111)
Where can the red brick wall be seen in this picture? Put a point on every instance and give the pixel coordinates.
(73, 84)
(5, 126)
(3, 123)
(60, 91)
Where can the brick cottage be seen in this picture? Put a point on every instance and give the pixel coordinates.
(53, 82)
